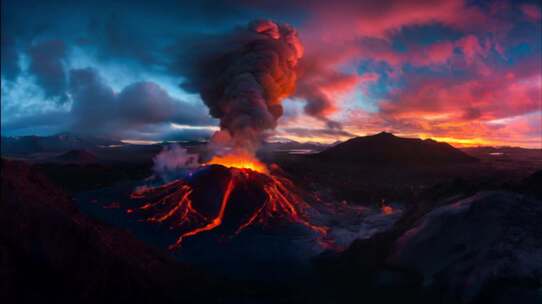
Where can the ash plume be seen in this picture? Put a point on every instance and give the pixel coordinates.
(243, 77)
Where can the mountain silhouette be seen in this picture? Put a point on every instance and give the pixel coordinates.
(76, 156)
(387, 148)
(64, 142)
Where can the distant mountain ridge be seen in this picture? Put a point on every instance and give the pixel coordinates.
(76, 156)
(42, 231)
(24, 145)
(387, 148)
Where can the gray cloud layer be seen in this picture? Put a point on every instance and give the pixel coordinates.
(97, 109)
(47, 66)
(140, 110)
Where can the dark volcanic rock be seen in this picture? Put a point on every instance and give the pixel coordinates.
(26, 145)
(48, 250)
(533, 184)
(387, 148)
(478, 249)
(76, 157)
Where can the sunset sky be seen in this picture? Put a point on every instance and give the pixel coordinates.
(465, 72)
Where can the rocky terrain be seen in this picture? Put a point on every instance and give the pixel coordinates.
(465, 247)
(51, 251)
(460, 230)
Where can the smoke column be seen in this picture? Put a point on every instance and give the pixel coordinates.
(243, 77)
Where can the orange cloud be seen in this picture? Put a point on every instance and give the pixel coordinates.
(473, 93)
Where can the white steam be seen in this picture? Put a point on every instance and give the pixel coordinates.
(172, 160)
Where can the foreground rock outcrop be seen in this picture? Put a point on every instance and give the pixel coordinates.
(485, 247)
(464, 247)
(48, 250)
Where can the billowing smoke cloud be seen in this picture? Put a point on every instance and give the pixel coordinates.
(243, 77)
(174, 160)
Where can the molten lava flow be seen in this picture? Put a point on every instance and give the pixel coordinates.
(212, 224)
(280, 198)
(239, 161)
(175, 203)
(386, 209)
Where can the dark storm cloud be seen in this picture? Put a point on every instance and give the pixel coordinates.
(147, 103)
(46, 63)
(126, 38)
(133, 30)
(140, 110)
(93, 101)
(9, 57)
(51, 36)
(98, 109)
(8, 49)
(55, 120)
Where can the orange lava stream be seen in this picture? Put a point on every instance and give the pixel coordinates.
(214, 223)
(173, 203)
(184, 202)
(387, 210)
(277, 194)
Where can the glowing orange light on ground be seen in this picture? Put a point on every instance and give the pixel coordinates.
(386, 209)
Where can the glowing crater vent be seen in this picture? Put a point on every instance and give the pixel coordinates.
(240, 161)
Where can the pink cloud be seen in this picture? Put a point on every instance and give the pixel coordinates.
(339, 35)
(436, 53)
(343, 19)
(321, 85)
(532, 12)
(503, 107)
(493, 97)
(523, 130)
(471, 47)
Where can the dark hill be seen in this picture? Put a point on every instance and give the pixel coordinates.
(25, 145)
(76, 156)
(50, 250)
(388, 148)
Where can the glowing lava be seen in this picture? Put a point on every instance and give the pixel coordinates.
(239, 161)
(248, 194)
(386, 209)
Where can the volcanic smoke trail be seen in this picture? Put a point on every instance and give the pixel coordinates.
(243, 78)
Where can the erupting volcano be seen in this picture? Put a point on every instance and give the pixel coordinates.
(243, 79)
(225, 199)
